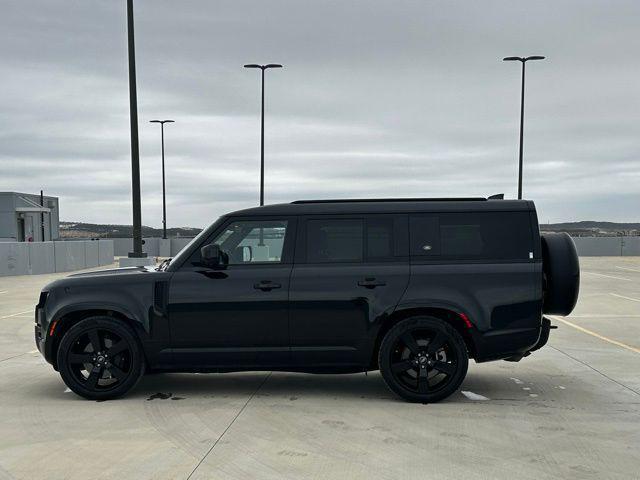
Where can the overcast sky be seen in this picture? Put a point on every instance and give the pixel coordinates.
(377, 99)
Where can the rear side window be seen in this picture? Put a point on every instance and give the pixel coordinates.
(334, 241)
(472, 236)
(369, 239)
(379, 238)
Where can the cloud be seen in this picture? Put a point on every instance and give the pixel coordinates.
(377, 98)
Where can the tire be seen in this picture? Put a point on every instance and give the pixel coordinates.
(102, 373)
(561, 272)
(406, 359)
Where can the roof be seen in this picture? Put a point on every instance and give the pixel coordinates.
(27, 194)
(391, 205)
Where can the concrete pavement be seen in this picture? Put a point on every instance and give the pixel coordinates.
(570, 410)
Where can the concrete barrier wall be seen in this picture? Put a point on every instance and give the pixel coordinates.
(69, 256)
(42, 257)
(153, 247)
(20, 258)
(14, 258)
(607, 246)
(178, 244)
(91, 254)
(105, 252)
(122, 246)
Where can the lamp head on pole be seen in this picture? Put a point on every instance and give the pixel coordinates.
(523, 59)
(263, 67)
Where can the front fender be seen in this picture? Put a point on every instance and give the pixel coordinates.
(131, 301)
(137, 319)
(134, 301)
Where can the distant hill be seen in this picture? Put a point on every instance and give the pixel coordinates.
(94, 230)
(591, 228)
(587, 228)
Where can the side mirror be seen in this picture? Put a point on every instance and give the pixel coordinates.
(212, 256)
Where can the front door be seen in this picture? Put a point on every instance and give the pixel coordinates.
(235, 315)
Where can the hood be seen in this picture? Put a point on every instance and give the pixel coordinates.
(114, 271)
(99, 277)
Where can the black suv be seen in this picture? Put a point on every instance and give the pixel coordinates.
(412, 287)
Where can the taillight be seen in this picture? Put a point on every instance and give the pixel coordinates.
(466, 320)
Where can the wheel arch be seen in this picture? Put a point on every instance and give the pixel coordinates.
(63, 322)
(460, 321)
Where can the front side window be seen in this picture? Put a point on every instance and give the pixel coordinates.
(249, 241)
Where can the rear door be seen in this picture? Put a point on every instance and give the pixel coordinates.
(349, 274)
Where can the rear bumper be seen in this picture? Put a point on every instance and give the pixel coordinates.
(545, 329)
(510, 344)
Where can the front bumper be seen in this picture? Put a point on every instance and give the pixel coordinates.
(40, 329)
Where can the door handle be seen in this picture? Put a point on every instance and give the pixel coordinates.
(371, 282)
(266, 285)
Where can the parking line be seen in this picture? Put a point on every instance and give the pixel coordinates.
(15, 314)
(629, 269)
(606, 276)
(594, 334)
(626, 298)
(3, 291)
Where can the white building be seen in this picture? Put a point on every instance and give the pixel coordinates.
(24, 219)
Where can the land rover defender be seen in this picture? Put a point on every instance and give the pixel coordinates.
(411, 287)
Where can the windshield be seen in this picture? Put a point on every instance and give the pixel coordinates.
(186, 251)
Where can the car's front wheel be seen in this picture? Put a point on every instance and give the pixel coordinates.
(100, 358)
(423, 359)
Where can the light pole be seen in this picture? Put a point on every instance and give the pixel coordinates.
(522, 60)
(135, 155)
(262, 68)
(164, 197)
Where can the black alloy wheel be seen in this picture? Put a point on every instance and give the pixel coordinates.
(423, 359)
(100, 358)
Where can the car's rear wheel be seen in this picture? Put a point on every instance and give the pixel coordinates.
(100, 358)
(423, 359)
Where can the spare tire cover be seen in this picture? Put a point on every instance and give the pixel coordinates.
(562, 273)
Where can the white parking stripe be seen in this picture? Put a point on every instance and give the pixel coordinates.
(3, 291)
(606, 276)
(15, 314)
(626, 298)
(594, 334)
(629, 269)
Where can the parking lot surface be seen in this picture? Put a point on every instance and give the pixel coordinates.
(570, 410)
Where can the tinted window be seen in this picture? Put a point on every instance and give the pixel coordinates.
(334, 241)
(425, 235)
(480, 235)
(379, 238)
(253, 241)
